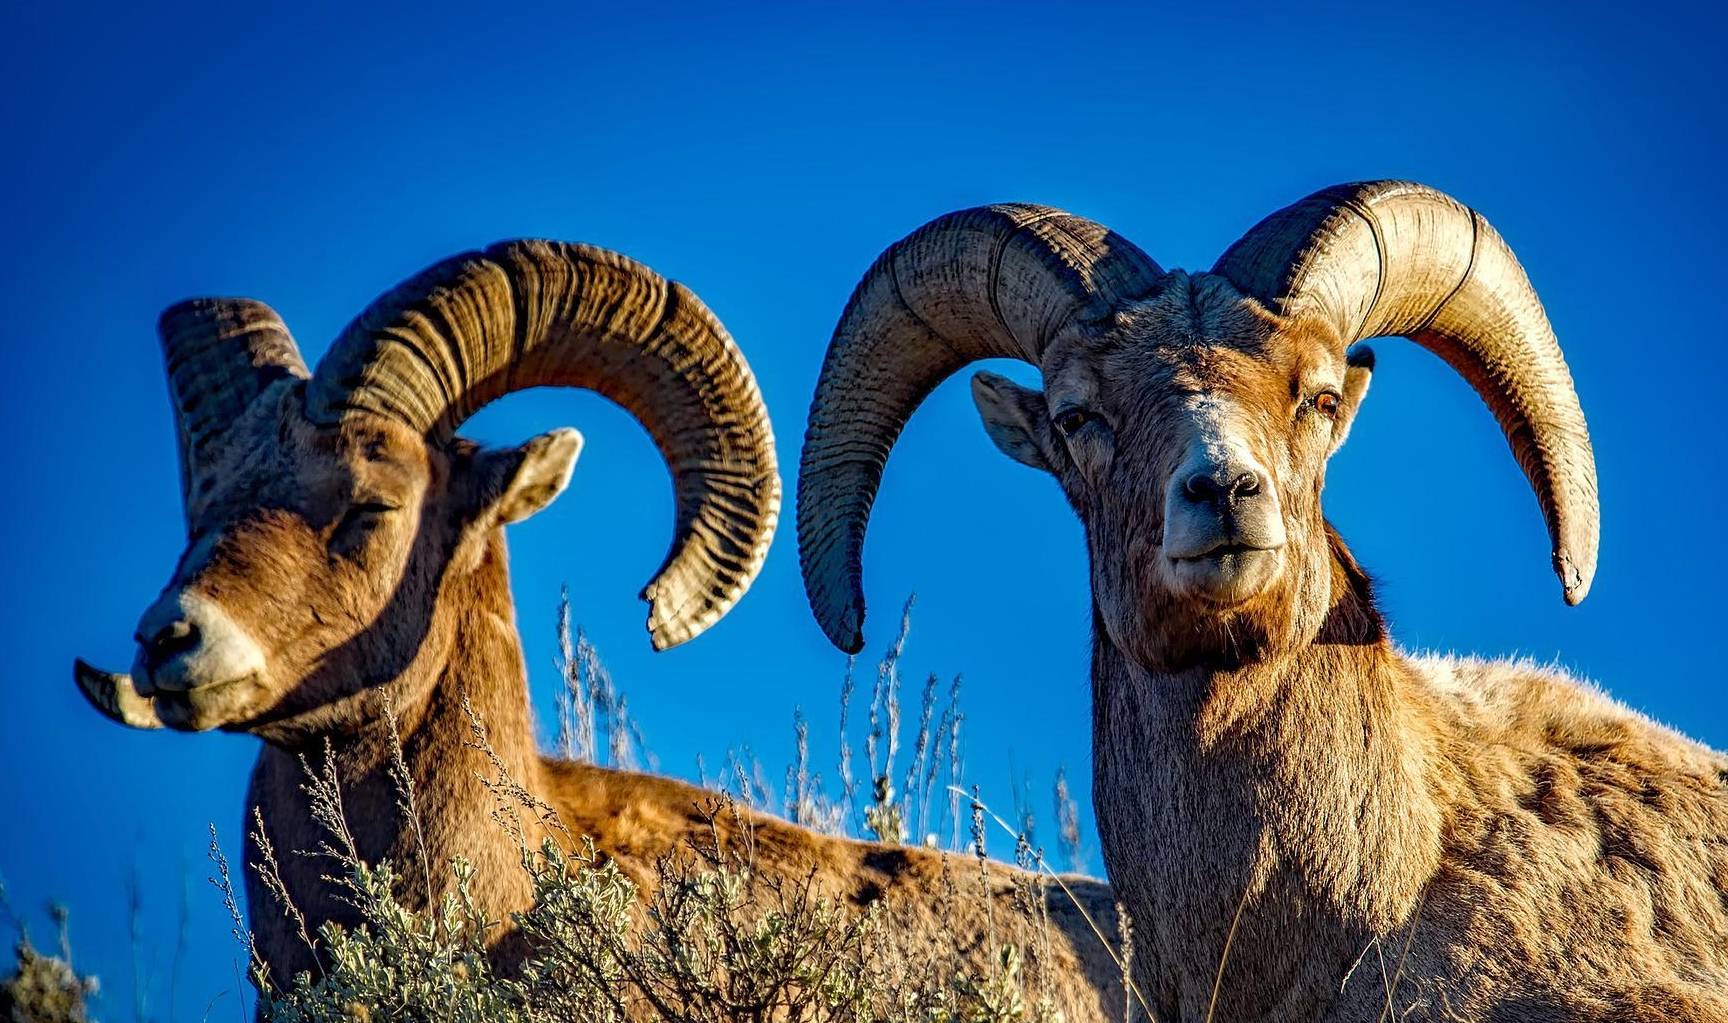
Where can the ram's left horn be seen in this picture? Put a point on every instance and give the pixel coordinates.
(115, 696)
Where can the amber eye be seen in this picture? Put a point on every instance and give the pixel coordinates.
(1072, 420)
(1326, 403)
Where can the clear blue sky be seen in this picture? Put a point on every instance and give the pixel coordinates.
(764, 157)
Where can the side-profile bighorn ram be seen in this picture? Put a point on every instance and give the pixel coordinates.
(345, 549)
(1385, 836)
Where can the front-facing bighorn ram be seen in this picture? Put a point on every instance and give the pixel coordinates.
(346, 556)
(1373, 835)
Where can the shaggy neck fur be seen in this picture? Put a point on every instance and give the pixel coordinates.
(476, 654)
(1293, 788)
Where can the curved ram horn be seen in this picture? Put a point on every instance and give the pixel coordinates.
(1392, 257)
(115, 696)
(221, 353)
(996, 281)
(532, 313)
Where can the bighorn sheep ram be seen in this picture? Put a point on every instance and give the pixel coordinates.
(345, 546)
(1510, 843)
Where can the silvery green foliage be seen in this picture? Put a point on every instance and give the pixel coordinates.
(43, 989)
(400, 965)
(714, 942)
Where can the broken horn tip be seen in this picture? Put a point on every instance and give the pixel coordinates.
(848, 632)
(1574, 583)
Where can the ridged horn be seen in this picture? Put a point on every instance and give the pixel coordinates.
(221, 353)
(1397, 258)
(536, 313)
(991, 282)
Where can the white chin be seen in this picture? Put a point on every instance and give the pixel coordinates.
(1225, 579)
(207, 707)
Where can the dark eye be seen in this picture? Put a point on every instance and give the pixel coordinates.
(1071, 420)
(1326, 403)
(363, 515)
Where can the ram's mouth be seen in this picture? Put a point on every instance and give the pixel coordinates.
(1222, 551)
(1224, 575)
(117, 697)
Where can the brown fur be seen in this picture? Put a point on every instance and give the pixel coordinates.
(1542, 852)
(409, 602)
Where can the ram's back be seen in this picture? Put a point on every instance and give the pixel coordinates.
(1584, 841)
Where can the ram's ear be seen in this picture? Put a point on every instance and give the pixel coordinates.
(1017, 420)
(517, 482)
(1358, 368)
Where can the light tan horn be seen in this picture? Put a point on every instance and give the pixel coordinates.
(534, 313)
(115, 696)
(221, 353)
(1396, 258)
(992, 282)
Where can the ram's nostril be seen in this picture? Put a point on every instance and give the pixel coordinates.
(1245, 485)
(1201, 487)
(175, 637)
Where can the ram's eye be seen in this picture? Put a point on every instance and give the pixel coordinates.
(1326, 403)
(364, 515)
(1072, 420)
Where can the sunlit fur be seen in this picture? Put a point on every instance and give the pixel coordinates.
(412, 605)
(1542, 852)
